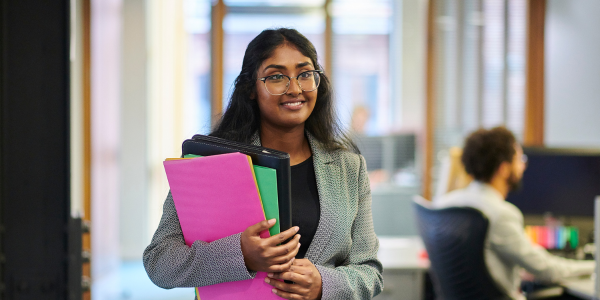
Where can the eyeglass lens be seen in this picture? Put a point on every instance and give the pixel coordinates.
(279, 84)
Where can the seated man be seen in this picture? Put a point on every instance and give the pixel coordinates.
(496, 162)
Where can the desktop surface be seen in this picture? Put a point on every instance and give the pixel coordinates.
(581, 287)
(405, 254)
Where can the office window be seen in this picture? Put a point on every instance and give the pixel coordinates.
(480, 69)
(361, 64)
(275, 3)
(197, 94)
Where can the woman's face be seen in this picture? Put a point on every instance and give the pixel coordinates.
(293, 107)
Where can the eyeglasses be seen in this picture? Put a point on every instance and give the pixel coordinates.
(279, 84)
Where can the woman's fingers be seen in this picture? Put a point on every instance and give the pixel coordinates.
(256, 229)
(285, 287)
(285, 258)
(306, 279)
(283, 236)
(303, 262)
(278, 268)
(300, 276)
(283, 250)
(266, 254)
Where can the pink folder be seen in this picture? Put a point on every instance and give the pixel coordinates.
(215, 197)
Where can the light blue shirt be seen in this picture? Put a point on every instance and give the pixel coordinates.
(507, 248)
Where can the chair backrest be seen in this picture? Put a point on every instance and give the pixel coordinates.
(454, 239)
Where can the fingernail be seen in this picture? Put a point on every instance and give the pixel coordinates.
(293, 259)
(274, 291)
(267, 280)
(296, 228)
(270, 274)
(298, 245)
(298, 236)
(272, 221)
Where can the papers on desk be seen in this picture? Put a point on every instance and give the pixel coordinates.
(402, 252)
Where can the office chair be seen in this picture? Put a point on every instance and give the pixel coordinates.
(454, 239)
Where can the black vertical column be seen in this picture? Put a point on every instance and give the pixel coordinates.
(34, 149)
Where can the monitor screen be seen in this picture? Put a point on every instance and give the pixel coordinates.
(563, 182)
(387, 152)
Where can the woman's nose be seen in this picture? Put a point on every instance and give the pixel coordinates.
(295, 88)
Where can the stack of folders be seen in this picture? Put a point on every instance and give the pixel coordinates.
(218, 195)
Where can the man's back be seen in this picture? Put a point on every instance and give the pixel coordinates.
(507, 247)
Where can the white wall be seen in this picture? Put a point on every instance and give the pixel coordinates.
(133, 158)
(105, 110)
(572, 73)
(414, 37)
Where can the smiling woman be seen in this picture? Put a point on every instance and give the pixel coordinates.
(280, 52)
(282, 100)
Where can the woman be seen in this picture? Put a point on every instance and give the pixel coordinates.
(282, 101)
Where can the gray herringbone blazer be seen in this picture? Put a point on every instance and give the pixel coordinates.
(344, 248)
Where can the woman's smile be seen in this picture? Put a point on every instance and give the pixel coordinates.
(293, 105)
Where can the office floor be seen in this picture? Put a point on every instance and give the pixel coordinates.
(130, 282)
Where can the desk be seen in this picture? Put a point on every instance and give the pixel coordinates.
(403, 268)
(404, 271)
(579, 287)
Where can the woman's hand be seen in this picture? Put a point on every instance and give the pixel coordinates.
(307, 281)
(266, 255)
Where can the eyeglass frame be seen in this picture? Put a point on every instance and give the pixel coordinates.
(264, 80)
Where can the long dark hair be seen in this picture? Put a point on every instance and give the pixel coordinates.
(242, 116)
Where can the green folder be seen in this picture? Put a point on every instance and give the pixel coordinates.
(266, 179)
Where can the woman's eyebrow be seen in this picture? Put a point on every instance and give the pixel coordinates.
(280, 67)
(304, 64)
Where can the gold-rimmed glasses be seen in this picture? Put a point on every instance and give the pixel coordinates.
(279, 84)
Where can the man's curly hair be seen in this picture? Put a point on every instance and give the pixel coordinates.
(485, 150)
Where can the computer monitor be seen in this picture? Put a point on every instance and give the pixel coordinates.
(564, 182)
(371, 148)
(390, 152)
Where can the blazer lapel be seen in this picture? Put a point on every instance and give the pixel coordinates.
(326, 169)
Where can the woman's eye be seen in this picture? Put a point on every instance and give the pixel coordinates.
(306, 75)
(276, 77)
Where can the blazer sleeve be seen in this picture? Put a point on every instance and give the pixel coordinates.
(360, 276)
(509, 240)
(170, 263)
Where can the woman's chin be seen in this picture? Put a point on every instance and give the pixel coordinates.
(287, 123)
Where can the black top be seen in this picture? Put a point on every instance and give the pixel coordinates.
(305, 203)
